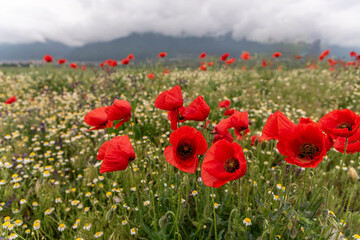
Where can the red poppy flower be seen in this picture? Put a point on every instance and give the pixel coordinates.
(131, 56)
(223, 162)
(210, 64)
(224, 104)
(198, 110)
(298, 57)
(83, 67)
(125, 61)
(238, 120)
(73, 65)
(203, 67)
(264, 64)
(102, 64)
(245, 56)
(150, 76)
(229, 112)
(61, 61)
(166, 71)
(202, 55)
(98, 119)
(230, 61)
(332, 62)
(352, 146)
(353, 54)
(224, 57)
(120, 110)
(162, 54)
(116, 154)
(276, 126)
(10, 100)
(340, 123)
(110, 62)
(48, 58)
(277, 54)
(187, 143)
(304, 146)
(170, 100)
(324, 54)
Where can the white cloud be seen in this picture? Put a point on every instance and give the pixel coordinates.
(76, 22)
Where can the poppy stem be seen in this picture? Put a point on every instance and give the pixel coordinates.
(344, 157)
(213, 201)
(303, 190)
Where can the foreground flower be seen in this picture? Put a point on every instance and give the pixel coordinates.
(116, 154)
(352, 146)
(98, 119)
(276, 126)
(340, 123)
(198, 110)
(170, 100)
(10, 100)
(187, 143)
(238, 120)
(120, 110)
(305, 146)
(223, 162)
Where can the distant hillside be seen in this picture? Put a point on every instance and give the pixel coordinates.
(148, 45)
(31, 51)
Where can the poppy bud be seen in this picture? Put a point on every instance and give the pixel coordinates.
(354, 177)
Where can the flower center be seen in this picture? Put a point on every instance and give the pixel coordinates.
(308, 150)
(185, 150)
(345, 125)
(231, 165)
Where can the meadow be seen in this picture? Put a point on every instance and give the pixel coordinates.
(50, 181)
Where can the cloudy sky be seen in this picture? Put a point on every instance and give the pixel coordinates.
(76, 22)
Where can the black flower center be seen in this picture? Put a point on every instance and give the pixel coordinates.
(180, 117)
(345, 125)
(185, 150)
(308, 150)
(231, 165)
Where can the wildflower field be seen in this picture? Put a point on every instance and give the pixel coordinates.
(220, 169)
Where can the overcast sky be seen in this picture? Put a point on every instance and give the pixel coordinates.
(76, 22)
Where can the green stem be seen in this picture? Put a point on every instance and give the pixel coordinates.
(303, 190)
(212, 191)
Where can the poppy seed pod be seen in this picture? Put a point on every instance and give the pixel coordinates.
(354, 177)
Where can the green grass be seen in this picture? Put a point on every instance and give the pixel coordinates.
(44, 131)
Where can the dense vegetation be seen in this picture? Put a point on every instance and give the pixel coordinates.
(51, 188)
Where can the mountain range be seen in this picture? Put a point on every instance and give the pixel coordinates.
(148, 45)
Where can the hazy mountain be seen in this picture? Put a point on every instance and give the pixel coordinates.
(148, 45)
(33, 51)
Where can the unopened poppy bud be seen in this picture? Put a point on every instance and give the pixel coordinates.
(354, 177)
